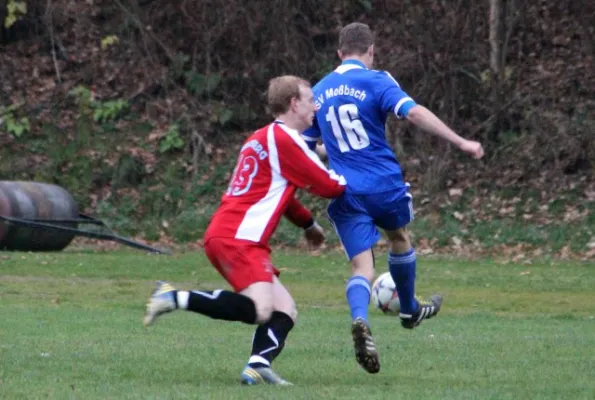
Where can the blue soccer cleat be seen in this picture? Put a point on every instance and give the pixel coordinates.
(262, 375)
(162, 301)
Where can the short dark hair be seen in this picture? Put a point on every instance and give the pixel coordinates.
(355, 39)
(281, 90)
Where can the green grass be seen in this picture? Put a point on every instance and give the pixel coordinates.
(70, 328)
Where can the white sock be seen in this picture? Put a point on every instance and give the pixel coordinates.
(259, 359)
(183, 299)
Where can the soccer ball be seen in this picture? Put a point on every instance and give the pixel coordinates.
(384, 295)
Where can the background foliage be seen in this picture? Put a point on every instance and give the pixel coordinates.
(139, 106)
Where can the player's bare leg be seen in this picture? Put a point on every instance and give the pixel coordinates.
(358, 289)
(269, 339)
(402, 266)
(262, 295)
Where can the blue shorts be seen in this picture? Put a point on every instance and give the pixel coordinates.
(356, 217)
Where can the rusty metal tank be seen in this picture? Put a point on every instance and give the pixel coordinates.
(35, 201)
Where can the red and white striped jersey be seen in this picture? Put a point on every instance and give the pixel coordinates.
(274, 162)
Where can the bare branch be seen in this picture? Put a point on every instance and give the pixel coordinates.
(145, 32)
(496, 37)
(50, 27)
(511, 22)
(199, 146)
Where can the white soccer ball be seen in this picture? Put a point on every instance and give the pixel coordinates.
(384, 295)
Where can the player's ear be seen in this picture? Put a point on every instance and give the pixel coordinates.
(293, 103)
(371, 51)
(340, 54)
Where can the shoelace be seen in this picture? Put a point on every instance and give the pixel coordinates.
(423, 302)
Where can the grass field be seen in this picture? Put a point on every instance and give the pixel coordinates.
(70, 328)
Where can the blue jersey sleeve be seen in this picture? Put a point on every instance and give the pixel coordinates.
(311, 135)
(391, 97)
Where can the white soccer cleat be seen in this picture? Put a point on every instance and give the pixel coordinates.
(264, 375)
(162, 301)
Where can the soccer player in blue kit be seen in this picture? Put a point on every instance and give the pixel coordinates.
(353, 104)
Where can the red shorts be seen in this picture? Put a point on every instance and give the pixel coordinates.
(240, 262)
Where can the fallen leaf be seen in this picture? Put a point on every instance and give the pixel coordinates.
(518, 258)
(425, 251)
(456, 241)
(506, 210)
(455, 192)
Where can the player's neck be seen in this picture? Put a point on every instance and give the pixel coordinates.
(362, 59)
(289, 122)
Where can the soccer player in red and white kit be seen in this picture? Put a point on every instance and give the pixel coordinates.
(273, 163)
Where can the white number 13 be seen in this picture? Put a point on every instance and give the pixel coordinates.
(351, 124)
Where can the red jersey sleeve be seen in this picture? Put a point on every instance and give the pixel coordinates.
(302, 167)
(298, 214)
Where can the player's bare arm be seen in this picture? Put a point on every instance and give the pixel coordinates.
(428, 121)
(321, 151)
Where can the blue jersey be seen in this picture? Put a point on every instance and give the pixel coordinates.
(353, 103)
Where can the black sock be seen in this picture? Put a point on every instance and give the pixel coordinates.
(269, 339)
(221, 304)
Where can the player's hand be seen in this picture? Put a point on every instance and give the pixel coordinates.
(473, 148)
(321, 152)
(314, 235)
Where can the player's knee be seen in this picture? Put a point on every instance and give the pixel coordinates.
(400, 235)
(286, 304)
(283, 300)
(264, 310)
(365, 271)
(363, 265)
(291, 310)
(261, 294)
(399, 241)
(293, 314)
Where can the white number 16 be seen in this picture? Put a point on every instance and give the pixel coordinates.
(351, 124)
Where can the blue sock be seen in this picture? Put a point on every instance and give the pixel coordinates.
(358, 296)
(402, 270)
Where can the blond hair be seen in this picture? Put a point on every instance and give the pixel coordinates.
(355, 39)
(281, 90)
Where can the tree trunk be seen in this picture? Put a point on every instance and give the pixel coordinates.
(497, 26)
(2, 18)
(497, 21)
